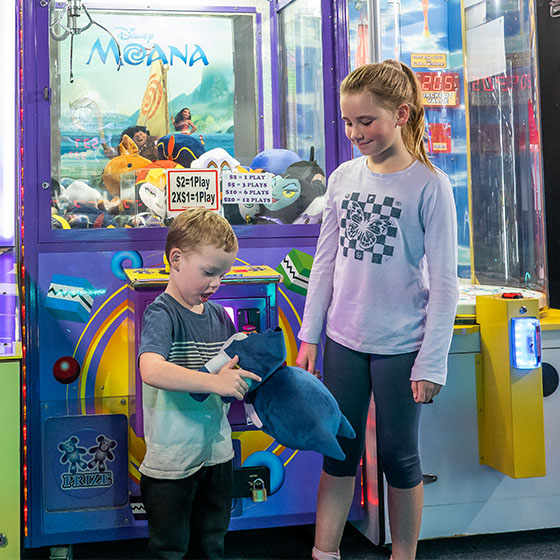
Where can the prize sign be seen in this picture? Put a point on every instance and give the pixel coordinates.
(248, 188)
(428, 60)
(191, 188)
(439, 140)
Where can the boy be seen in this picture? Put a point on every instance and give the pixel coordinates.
(187, 471)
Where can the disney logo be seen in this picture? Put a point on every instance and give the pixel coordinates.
(126, 34)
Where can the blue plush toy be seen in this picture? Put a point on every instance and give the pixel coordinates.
(275, 161)
(292, 405)
(180, 148)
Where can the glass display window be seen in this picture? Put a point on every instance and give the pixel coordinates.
(505, 148)
(137, 91)
(302, 78)
(476, 65)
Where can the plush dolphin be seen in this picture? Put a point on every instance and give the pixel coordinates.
(291, 405)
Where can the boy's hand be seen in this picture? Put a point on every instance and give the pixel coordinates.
(307, 358)
(424, 391)
(231, 380)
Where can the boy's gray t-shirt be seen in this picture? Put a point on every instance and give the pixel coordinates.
(181, 434)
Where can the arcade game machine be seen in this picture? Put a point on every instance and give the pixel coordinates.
(10, 409)
(103, 87)
(548, 33)
(10, 318)
(489, 443)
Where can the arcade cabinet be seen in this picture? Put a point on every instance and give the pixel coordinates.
(489, 442)
(103, 173)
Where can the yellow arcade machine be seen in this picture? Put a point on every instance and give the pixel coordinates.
(510, 389)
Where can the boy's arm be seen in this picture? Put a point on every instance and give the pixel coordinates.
(229, 382)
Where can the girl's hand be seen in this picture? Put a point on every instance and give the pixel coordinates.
(424, 391)
(230, 381)
(307, 358)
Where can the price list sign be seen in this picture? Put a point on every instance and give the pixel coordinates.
(190, 188)
(248, 188)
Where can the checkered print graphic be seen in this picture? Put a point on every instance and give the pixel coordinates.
(368, 227)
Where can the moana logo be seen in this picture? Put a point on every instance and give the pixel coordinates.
(135, 54)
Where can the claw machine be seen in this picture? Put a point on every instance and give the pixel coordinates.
(107, 159)
(489, 442)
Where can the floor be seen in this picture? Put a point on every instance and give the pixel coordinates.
(294, 543)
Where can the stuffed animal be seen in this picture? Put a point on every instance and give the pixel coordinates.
(217, 158)
(180, 148)
(81, 206)
(299, 412)
(298, 195)
(275, 161)
(298, 192)
(152, 186)
(79, 193)
(291, 405)
(127, 160)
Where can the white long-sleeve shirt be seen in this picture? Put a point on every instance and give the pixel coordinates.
(385, 269)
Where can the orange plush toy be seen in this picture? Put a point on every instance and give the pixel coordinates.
(127, 160)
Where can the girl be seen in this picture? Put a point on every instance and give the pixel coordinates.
(183, 123)
(387, 245)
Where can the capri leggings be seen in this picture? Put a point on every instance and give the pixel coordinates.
(350, 376)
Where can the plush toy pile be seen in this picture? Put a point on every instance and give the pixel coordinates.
(133, 189)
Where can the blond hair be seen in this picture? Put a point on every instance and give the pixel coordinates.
(197, 227)
(391, 84)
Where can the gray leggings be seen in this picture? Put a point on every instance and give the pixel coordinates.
(350, 376)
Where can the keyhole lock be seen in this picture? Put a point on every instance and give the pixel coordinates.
(258, 490)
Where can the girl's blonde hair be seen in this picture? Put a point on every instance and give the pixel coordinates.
(391, 84)
(197, 227)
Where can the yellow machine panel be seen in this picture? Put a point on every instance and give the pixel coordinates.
(510, 400)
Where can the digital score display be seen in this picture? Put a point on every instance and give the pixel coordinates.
(495, 90)
(439, 89)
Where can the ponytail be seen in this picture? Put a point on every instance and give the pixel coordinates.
(415, 129)
(393, 83)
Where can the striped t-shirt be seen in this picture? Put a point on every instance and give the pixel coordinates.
(181, 434)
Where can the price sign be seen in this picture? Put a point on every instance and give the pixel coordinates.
(189, 188)
(249, 188)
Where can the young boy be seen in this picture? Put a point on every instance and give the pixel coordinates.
(187, 471)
